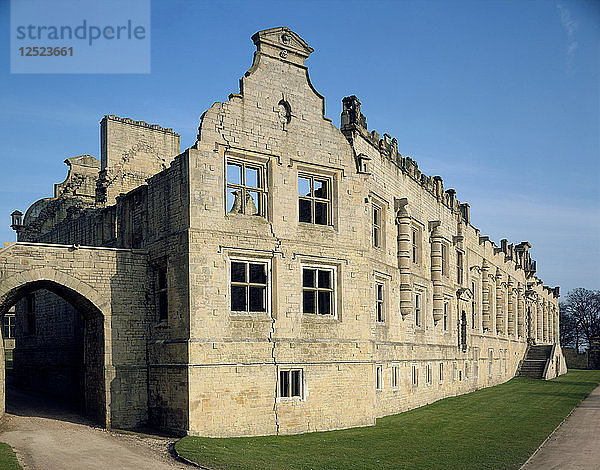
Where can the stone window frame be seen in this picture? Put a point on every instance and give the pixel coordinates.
(416, 243)
(283, 371)
(334, 268)
(474, 316)
(490, 362)
(381, 304)
(446, 316)
(395, 375)
(467, 369)
(251, 158)
(267, 261)
(419, 317)
(377, 225)
(414, 374)
(8, 325)
(475, 362)
(262, 188)
(30, 317)
(314, 200)
(460, 267)
(334, 176)
(428, 374)
(444, 252)
(161, 292)
(454, 371)
(441, 373)
(379, 377)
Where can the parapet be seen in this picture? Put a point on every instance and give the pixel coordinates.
(131, 152)
(155, 127)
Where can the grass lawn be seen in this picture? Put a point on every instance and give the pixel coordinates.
(493, 428)
(9, 360)
(8, 460)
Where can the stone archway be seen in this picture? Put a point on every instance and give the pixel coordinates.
(97, 319)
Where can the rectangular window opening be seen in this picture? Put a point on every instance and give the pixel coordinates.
(395, 376)
(246, 188)
(416, 245)
(414, 375)
(290, 383)
(314, 200)
(376, 226)
(380, 301)
(445, 318)
(318, 291)
(248, 287)
(379, 377)
(418, 310)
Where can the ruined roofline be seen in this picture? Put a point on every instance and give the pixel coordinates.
(126, 120)
(353, 121)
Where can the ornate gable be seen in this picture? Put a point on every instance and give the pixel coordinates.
(283, 44)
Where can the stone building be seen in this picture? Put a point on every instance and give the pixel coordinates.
(280, 276)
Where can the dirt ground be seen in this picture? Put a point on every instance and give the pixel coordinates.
(576, 443)
(49, 436)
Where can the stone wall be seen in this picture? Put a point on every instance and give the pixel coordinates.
(110, 288)
(575, 359)
(419, 304)
(49, 354)
(131, 152)
(276, 123)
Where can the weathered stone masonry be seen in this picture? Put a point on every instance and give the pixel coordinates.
(297, 277)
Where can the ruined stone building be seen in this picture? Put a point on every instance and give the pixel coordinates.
(282, 275)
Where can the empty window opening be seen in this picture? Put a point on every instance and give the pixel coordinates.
(418, 310)
(246, 189)
(318, 291)
(416, 245)
(395, 376)
(445, 317)
(162, 298)
(380, 301)
(379, 377)
(376, 226)
(314, 195)
(414, 375)
(248, 286)
(30, 314)
(290, 383)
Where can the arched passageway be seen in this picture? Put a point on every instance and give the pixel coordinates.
(60, 343)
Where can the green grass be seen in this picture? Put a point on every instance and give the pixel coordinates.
(493, 428)
(9, 360)
(8, 459)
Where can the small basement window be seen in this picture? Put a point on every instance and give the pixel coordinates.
(290, 383)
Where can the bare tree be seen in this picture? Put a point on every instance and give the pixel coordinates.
(570, 334)
(580, 313)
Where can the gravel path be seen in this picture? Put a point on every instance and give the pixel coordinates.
(48, 437)
(575, 445)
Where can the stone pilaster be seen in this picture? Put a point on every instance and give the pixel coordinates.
(485, 296)
(404, 257)
(499, 303)
(436, 270)
(511, 307)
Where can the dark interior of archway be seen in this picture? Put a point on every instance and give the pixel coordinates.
(58, 351)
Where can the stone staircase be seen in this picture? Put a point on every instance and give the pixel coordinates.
(534, 364)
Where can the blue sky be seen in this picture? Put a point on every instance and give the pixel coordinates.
(500, 98)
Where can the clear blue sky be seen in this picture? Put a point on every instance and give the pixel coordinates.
(500, 98)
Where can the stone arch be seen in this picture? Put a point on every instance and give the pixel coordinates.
(91, 305)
